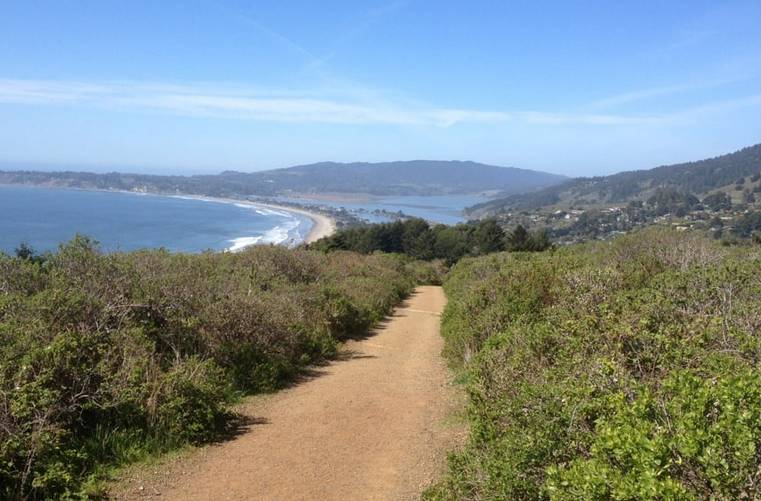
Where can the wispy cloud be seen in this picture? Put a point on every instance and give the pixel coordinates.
(719, 107)
(638, 95)
(371, 17)
(231, 102)
(238, 102)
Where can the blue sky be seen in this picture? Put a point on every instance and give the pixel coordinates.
(578, 88)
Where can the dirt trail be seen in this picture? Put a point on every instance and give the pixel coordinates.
(375, 426)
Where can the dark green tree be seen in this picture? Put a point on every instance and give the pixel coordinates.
(488, 237)
(519, 239)
(451, 244)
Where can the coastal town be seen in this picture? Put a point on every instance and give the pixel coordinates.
(724, 216)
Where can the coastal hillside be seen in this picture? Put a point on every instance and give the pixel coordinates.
(721, 173)
(418, 177)
(720, 195)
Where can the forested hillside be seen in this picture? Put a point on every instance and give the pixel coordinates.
(109, 358)
(693, 177)
(419, 177)
(608, 371)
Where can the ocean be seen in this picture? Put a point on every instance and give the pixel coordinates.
(45, 217)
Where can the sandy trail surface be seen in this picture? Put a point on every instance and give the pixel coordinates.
(374, 426)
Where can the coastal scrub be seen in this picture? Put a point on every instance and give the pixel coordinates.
(107, 358)
(623, 370)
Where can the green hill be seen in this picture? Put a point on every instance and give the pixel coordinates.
(720, 173)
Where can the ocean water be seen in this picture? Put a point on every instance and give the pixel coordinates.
(445, 209)
(45, 217)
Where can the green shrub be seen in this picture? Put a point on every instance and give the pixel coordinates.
(696, 437)
(107, 358)
(188, 402)
(624, 370)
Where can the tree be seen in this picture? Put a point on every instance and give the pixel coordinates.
(540, 241)
(25, 251)
(417, 239)
(451, 244)
(488, 237)
(518, 239)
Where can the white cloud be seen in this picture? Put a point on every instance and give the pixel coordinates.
(639, 95)
(650, 93)
(546, 118)
(236, 102)
(230, 102)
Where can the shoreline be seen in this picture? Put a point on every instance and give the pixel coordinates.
(322, 225)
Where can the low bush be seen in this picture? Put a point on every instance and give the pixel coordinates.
(107, 357)
(623, 370)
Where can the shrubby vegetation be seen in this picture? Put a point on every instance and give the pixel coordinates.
(107, 357)
(417, 239)
(748, 224)
(624, 370)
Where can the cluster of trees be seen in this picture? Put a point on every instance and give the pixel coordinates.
(107, 358)
(417, 239)
(718, 202)
(672, 201)
(623, 370)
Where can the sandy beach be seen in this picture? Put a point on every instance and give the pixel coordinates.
(323, 225)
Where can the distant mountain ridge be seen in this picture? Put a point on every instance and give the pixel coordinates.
(414, 177)
(410, 177)
(696, 178)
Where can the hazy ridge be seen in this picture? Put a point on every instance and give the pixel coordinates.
(416, 177)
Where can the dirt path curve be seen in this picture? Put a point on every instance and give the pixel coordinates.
(375, 426)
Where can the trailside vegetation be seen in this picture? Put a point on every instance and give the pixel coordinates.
(417, 239)
(106, 358)
(623, 370)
